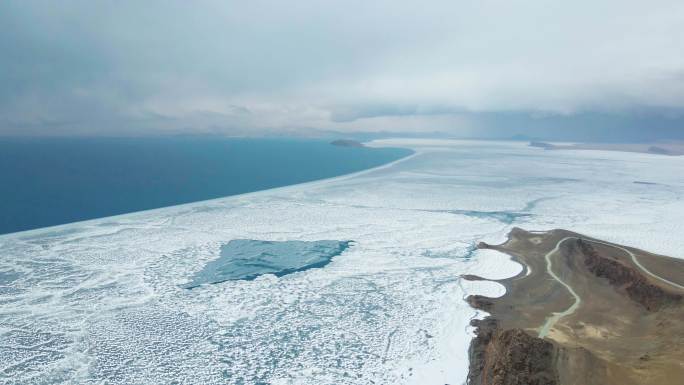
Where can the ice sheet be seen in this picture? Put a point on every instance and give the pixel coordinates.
(102, 301)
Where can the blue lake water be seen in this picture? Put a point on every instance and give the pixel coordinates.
(53, 181)
(247, 259)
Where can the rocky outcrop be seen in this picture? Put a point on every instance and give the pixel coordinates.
(544, 145)
(658, 150)
(346, 143)
(480, 302)
(509, 357)
(626, 279)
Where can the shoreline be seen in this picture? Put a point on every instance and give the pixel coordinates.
(312, 183)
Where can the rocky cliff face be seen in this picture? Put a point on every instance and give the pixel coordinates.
(510, 357)
(626, 279)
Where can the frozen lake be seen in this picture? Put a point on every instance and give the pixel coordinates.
(103, 301)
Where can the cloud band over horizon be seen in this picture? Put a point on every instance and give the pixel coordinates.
(461, 67)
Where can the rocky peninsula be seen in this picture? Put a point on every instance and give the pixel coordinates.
(582, 311)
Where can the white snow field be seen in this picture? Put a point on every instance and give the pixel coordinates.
(103, 302)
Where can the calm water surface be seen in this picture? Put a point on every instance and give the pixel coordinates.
(46, 182)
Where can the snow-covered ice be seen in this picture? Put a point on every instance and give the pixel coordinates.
(103, 301)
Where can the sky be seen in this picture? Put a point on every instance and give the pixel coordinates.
(606, 69)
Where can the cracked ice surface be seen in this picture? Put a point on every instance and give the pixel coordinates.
(103, 301)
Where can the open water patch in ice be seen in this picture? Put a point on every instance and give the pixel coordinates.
(247, 259)
(507, 217)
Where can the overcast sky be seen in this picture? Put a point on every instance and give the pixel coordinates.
(137, 67)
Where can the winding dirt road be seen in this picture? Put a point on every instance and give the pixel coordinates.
(550, 321)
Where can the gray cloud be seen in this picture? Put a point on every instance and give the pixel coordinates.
(269, 66)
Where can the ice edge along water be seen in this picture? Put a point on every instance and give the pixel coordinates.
(103, 299)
